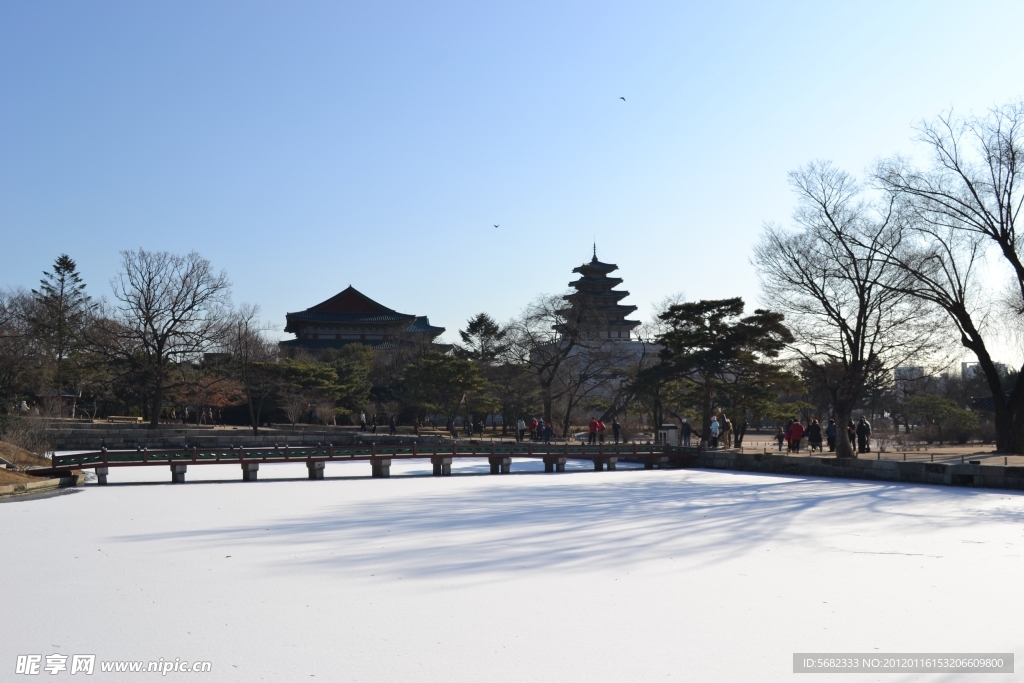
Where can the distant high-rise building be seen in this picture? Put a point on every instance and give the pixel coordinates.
(971, 370)
(906, 378)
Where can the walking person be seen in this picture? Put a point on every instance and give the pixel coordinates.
(416, 426)
(593, 431)
(715, 428)
(830, 434)
(863, 435)
(362, 421)
(520, 430)
(726, 431)
(814, 436)
(616, 429)
(600, 431)
(548, 433)
(392, 427)
(687, 432)
(851, 434)
(533, 429)
(796, 435)
(373, 423)
(780, 437)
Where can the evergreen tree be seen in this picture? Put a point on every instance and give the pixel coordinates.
(711, 348)
(58, 316)
(484, 340)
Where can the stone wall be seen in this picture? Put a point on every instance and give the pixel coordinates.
(985, 476)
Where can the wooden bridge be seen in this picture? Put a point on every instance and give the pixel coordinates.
(380, 458)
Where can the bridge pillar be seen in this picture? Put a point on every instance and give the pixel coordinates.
(177, 473)
(380, 467)
(316, 469)
(554, 464)
(602, 462)
(442, 466)
(101, 475)
(500, 464)
(652, 461)
(249, 471)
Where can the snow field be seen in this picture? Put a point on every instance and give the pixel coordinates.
(634, 575)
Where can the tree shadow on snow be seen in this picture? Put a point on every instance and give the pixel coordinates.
(578, 522)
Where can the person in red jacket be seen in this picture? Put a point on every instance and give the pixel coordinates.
(796, 433)
(593, 431)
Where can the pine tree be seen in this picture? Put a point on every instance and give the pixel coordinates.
(59, 314)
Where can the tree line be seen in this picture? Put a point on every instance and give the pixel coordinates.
(917, 265)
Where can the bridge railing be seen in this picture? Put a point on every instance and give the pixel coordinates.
(282, 453)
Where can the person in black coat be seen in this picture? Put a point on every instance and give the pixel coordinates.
(814, 436)
(863, 435)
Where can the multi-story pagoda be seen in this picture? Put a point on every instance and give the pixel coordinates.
(596, 302)
(352, 317)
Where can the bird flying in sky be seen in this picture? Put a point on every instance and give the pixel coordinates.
(495, 226)
(623, 99)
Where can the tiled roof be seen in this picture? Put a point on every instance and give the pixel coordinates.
(422, 324)
(351, 300)
(349, 307)
(595, 267)
(350, 317)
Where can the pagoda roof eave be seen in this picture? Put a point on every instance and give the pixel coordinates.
(603, 281)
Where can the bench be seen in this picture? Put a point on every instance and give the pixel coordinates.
(123, 418)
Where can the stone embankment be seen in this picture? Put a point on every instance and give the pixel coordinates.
(88, 437)
(41, 486)
(966, 474)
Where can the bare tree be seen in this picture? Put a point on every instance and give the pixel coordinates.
(542, 338)
(846, 306)
(562, 346)
(252, 360)
(170, 309)
(19, 356)
(595, 370)
(967, 202)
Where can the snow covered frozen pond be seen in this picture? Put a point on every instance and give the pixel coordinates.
(635, 575)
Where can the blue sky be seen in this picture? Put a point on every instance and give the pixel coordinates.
(306, 146)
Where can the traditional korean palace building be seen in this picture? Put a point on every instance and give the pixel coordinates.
(595, 292)
(352, 317)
